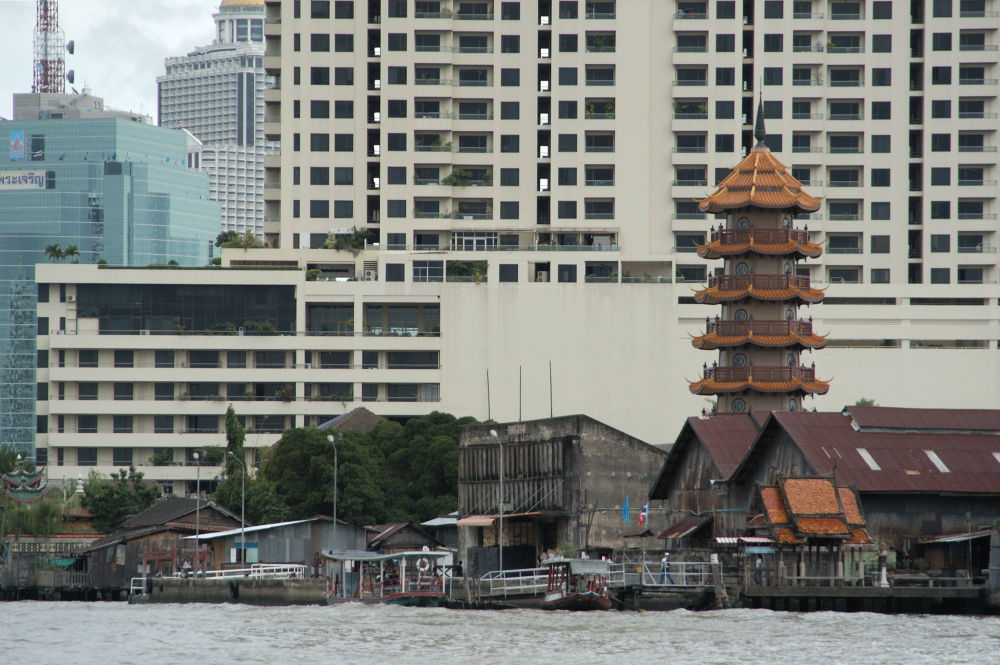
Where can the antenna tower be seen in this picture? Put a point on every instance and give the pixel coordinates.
(50, 63)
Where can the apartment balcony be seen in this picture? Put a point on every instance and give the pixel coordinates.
(807, 148)
(977, 81)
(805, 16)
(977, 47)
(977, 183)
(969, 115)
(977, 148)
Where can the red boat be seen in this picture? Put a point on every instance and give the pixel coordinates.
(577, 585)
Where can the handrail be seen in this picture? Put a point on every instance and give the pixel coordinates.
(647, 574)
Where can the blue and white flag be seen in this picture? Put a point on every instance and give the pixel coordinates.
(625, 510)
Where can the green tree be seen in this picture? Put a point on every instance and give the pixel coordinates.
(40, 517)
(229, 491)
(8, 458)
(225, 237)
(866, 401)
(112, 501)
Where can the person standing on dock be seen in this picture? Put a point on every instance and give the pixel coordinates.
(757, 571)
(665, 569)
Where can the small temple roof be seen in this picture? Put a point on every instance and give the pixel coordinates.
(802, 508)
(713, 386)
(759, 180)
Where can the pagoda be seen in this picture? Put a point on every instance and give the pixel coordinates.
(759, 335)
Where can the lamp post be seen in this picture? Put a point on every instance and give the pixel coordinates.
(496, 436)
(197, 512)
(243, 503)
(333, 442)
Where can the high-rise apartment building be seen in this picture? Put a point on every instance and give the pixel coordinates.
(217, 93)
(490, 208)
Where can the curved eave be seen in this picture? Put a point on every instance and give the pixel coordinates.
(713, 341)
(716, 250)
(713, 387)
(737, 200)
(713, 295)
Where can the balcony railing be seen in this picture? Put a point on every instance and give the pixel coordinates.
(847, 116)
(807, 48)
(845, 183)
(807, 116)
(760, 328)
(759, 282)
(845, 16)
(689, 183)
(977, 148)
(977, 47)
(977, 81)
(807, 148)
(977, 183)
(765, 236)
(976, 114)
(760, 374)
(845, 49)
(807, 81)
(807, 15)
(977, 249)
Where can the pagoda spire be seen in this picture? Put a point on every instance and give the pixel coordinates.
(759, 132)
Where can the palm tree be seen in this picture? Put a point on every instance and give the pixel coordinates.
(55, 252)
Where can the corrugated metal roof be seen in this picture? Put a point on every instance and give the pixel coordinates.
(957, 537)
(686, 526)
(880, 417)
(743, 540)
(830, 443)
(477, 520)
(727, 437)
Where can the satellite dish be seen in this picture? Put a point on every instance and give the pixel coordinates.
(70, 76)
(70, 46)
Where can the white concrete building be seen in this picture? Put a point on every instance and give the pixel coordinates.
(217, 93)
(449, 135)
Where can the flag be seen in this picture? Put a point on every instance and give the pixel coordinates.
(643, 514)
(62, 156)
(625, 510)
(86, 156)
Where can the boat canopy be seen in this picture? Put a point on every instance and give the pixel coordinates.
(582, 566)
(365, 555)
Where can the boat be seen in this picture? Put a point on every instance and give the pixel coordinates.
(401, 578)
(577, 585)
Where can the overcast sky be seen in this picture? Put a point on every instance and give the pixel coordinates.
(120, 45)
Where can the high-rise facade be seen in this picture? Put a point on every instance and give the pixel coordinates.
(217, 93)
(103, 184)
(490, 208)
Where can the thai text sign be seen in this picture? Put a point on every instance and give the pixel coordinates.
(22, 180)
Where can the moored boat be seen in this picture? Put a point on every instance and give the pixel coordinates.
(401, 578)
(577, 585)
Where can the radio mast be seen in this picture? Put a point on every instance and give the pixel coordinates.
(50, 62)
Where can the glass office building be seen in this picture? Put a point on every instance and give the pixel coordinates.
(115, 189)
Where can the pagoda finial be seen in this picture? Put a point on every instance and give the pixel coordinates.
(759, 132)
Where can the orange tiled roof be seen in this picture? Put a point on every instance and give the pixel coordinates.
(712, 341)
(849, 500)
(859, 537)
(799, 508)
(774, 506)
(713, 295)
(786, 536)
(716, 250)
(822, 526)
(811, 496)
(762, 181)
(709, 386)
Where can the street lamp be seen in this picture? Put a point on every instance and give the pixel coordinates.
(333, 442)
(197, 511)
(496, 436)
(243, 504)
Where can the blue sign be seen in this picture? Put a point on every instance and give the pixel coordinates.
(17, 144)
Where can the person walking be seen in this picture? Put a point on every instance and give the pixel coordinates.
(758, 569)
(665, 569)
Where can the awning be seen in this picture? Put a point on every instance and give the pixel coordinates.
(637, 533)
(743, 540)
(957, 537)
(686, 526)
(477, 520)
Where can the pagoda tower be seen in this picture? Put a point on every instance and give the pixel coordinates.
(759, 335)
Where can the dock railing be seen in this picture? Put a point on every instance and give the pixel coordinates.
(138, 585)
(651, 574)
(519, 582)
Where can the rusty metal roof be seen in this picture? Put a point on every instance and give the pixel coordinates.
(727, 437)
(880, 417)
(908, 458)
(686, 526)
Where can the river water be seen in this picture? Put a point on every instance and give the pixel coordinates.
(106, 633)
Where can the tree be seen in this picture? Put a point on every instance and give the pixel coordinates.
(866, 401)
(225, 237)
(229, 491)
(113, 501)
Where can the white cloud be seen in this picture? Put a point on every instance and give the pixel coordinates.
(120, 45)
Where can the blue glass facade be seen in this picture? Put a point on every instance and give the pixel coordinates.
(118, 191)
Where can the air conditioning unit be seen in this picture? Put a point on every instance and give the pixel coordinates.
(543, 152)
(71, 298)
(241, 332)
(543, 86)
(377, 51)
(371, 275)
(543, 20)
(543, 118)
(144, 331)
(376, 150)
(376, 117)
(542, 276)
(543, 184)
(376, 183)
(543, 53)
(378, 84)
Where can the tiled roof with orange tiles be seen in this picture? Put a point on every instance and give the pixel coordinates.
(810, 496)
(762, 181)
(852, 511)
(786, 536)
(716, 250)
(713, 295)
(775, 507)
(859, 537)
(713, 387)
(822, 526)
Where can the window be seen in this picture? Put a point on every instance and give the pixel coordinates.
(395, 272)
(510, 11)
(124, 358)
(87, 424)
(319, 43)
(568, 43)
(881, 110)
(724, 143)
(428, 271)
(319, 108)
(940, 142)
(510, 77)
(941, 176)
(881, 142)
(342, 142)
(396, 108)
(567, 176)
(566, 209)
(343, 9)
(397, 76)
(320, 9)
(725, 76)
(882, 10)
(510, 110)
(319, 175)
(772, 110)
(87, 390)
(397, 8)
(510, 43)
(510, 143)
(940, 75)
(940, 209)
(880, 275)
(773, 76)
(567, 76)
(567, 143)
(725, 43)
(568, 9)
(319, 76)
(87, 456)
(296, 42)
(725, 110)
(121, 457)
(881, 77)
(396, 41)
(880, 244)
(510, 210)
(880, 177)
(940, 275)
(567, 110)
(163, 358)
(344, 108)
(880, 210)
(343, 209)
(510, 177)
(319, 209)
(345, 75)
(508, 272)
(345, 43)
(941, 41)
(774, 9)
(940, 243)
(566, 273)
(942, 8)
(122, 424)
(295, 142)
(342, 175)
(773, 43)
(395, 208)
(881, 43)
(941, 108)
(396, 175)
(396, 142)
(296, 75)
